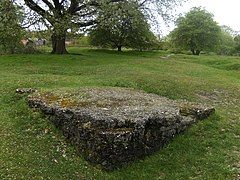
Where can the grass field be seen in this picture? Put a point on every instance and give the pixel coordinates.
(32, 148)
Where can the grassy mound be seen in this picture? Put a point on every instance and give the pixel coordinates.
(32, 148)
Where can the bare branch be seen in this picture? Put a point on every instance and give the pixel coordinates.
(51, 7)
(35, 7)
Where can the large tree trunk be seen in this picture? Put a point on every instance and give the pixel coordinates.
(119, 48)
(193, 51)
(198, 52)
(58, 43)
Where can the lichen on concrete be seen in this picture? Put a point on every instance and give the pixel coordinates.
(112, 126)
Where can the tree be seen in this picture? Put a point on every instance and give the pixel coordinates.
(196, 31)
(62, 15)
(10, 26)
(122, 25)
(237, 44)
(227, 44)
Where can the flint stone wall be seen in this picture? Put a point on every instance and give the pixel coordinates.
(113, 126)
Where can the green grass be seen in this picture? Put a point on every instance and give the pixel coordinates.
(32, 148)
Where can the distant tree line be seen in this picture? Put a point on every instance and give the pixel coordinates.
(63, 18)
(198, 32)
(71, 15)
(113, 24)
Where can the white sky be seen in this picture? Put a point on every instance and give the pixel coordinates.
(226, 12)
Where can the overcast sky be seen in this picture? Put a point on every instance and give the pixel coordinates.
(225, 12)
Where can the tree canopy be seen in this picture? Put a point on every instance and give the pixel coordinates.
(122, 25)
(10, 26)
(227, 44)
(62, 15)
(237, 45)
(196, 31)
